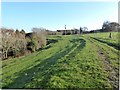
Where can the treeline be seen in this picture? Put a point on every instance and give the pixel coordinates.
(107, 27)
(110, 26)
(15, 43)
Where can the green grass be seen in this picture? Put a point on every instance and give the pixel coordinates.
(104, 37)
(72, 61)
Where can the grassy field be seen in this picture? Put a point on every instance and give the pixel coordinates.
(72, 61)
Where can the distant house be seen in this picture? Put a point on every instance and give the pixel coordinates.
(68, 32)
(52, 32)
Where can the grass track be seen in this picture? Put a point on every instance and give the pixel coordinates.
(71, 61)
(109, 57)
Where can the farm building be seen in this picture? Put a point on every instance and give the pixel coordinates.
(68, 32)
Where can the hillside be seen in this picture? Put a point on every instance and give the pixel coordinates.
(71, 61)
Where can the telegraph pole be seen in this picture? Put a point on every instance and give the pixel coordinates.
(65, 29)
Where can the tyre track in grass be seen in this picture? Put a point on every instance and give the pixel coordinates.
(102, 54)
(47, 77)
(80, 43)
(76, 70)
(116, 46)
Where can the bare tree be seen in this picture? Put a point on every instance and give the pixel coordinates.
(12, 42)
(8, 39)
(85, 29)
(41, 36)
(20, 43)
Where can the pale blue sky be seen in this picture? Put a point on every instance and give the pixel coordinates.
(54, 15)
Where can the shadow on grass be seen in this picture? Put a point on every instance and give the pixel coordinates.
(116, 46)
(44, 48)
(43, 70)
(49, 41)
